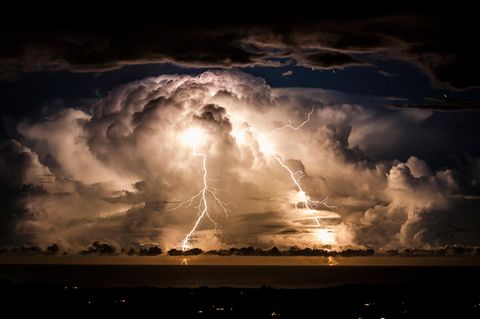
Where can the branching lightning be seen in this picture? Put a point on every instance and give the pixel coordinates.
(194, 137)
(303, 198)
(309, 204)
(290, 126)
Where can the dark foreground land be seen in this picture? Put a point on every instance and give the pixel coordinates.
(349, 301)
(443, 293)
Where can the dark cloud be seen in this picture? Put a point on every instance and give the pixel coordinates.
(215, 115)
(88, 51)
(387, 74)
(440, 104)
(19, 170)
(439, 45)
(328, 60)
(98, 248)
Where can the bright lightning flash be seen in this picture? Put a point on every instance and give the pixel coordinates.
(302, 197)
(325, 236)
(267, 148)
(194, 137)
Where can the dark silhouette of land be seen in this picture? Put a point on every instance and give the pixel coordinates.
(347, 301)
(98, 248)
(254, 291)
(274, 251)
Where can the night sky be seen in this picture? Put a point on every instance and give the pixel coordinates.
(95, 108)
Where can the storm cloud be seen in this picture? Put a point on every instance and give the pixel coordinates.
(440, 45)
(113, 172)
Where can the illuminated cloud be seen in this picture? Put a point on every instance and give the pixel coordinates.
(114, 173)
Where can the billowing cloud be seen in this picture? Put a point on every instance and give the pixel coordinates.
(114, 173)
(21, 176)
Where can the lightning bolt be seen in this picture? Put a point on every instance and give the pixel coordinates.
(200, 199)
(290, 126)
(308, 203)
(202, 206)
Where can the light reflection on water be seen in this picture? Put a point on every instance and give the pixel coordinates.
(253, 276)
(244, 260)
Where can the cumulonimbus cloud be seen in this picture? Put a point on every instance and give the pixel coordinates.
(114, 172)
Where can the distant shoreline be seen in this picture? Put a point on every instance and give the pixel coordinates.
(250, 276)
(199, 260)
